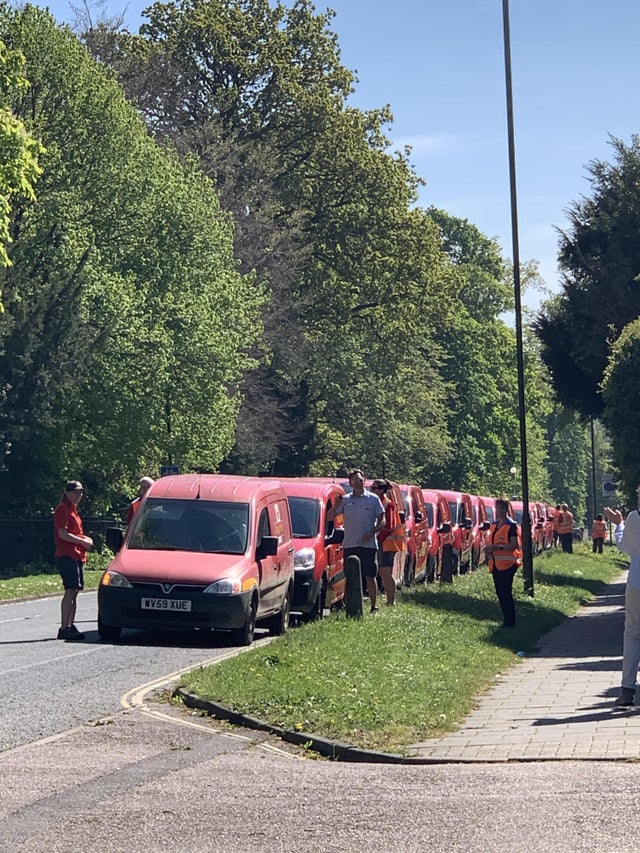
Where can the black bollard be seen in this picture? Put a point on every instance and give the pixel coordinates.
(353, 587)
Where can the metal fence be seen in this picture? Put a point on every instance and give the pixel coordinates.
(30, 540)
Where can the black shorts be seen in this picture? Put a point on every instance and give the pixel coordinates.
(71, 572)
(367, 557)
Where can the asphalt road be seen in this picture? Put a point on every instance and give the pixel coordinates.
(49, 686)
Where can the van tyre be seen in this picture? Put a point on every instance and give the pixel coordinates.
(318, 605)
(279, 623)
(244, 636)
(109, 633)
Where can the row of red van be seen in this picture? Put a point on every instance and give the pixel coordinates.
(218, 552)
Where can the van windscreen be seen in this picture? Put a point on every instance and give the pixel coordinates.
(212, 527)
(305, 517)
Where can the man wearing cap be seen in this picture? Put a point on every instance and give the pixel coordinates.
(71, 553)
(134, 506)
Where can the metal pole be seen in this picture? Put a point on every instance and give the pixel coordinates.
(527, 555)
(593, 469)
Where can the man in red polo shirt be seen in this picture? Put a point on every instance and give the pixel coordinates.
(71, 552)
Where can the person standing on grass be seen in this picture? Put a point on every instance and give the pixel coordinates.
(627, 534)
(504, 558)
(598, 533)
(391, 538)
(363, 515)
(71, 553)
(565, 529)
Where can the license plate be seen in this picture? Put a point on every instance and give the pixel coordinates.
(170, 604)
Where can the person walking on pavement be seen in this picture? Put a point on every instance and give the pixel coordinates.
(363, 515)
(144, 486)
(627, 534)
(505, 557)
(598, 533)
(565, 529)
(71, 552)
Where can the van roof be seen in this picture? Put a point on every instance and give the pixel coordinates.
(219, 487)
(309, 488)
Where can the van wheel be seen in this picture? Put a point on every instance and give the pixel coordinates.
(319, 604)
(108, 633)
(244, 636)
(279, 623)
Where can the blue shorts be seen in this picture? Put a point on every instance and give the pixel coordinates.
(71, 572)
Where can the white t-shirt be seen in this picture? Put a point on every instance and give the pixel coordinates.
(360, 515)
(628, 539)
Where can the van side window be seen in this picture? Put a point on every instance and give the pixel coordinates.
(328, 525)
(263, 525)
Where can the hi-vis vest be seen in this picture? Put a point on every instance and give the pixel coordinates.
(599, 529)
(565, 522)
(503, 559)
(396, 540)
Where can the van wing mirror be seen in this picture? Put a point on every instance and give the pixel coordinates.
(114, 537)
(486, 525)
(336, 537)
(445, 527)
(268, 546)
(468, 524)
(402, 517)
(419, 516)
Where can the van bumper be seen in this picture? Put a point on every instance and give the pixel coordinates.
(305, 590)
(124, 608)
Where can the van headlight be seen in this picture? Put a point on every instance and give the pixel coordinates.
(305, 558)
(226, 586)
(110, 578)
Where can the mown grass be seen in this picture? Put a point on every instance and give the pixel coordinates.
(42, 579)
(410, 672)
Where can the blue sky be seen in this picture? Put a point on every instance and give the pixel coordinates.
(440, 65)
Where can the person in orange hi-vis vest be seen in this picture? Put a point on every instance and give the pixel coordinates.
(505, 556)
(598, 533)
(565, 529)
(391, 538)
(145, 485)
(556, 517)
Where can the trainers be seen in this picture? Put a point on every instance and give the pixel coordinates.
(626, 697)
(375, 610)
(70, 635)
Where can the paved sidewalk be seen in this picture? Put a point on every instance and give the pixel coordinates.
(556, 704)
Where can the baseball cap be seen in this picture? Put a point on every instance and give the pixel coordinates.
(74, 486)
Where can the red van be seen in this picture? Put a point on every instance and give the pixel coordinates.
(536, 525)
(415, 512)
(319, 579)
(481, 528)
(461, 528)
(204, 551)
(440, 535)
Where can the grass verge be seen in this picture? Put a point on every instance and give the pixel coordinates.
(410, 672)
(37, 581)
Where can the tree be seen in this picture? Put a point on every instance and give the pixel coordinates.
(127, 325)
(621, 393)
(19, 150)
(600, 260)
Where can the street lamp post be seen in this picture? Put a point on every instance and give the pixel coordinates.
(527, 555)
(513, 471)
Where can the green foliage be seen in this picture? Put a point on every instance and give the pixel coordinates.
(600, 258)
(128, 325)
(621, 393)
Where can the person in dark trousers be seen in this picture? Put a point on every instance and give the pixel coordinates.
(505, 557)
(71, 553)
(598, 533)
(363, 515)
(565, 529)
